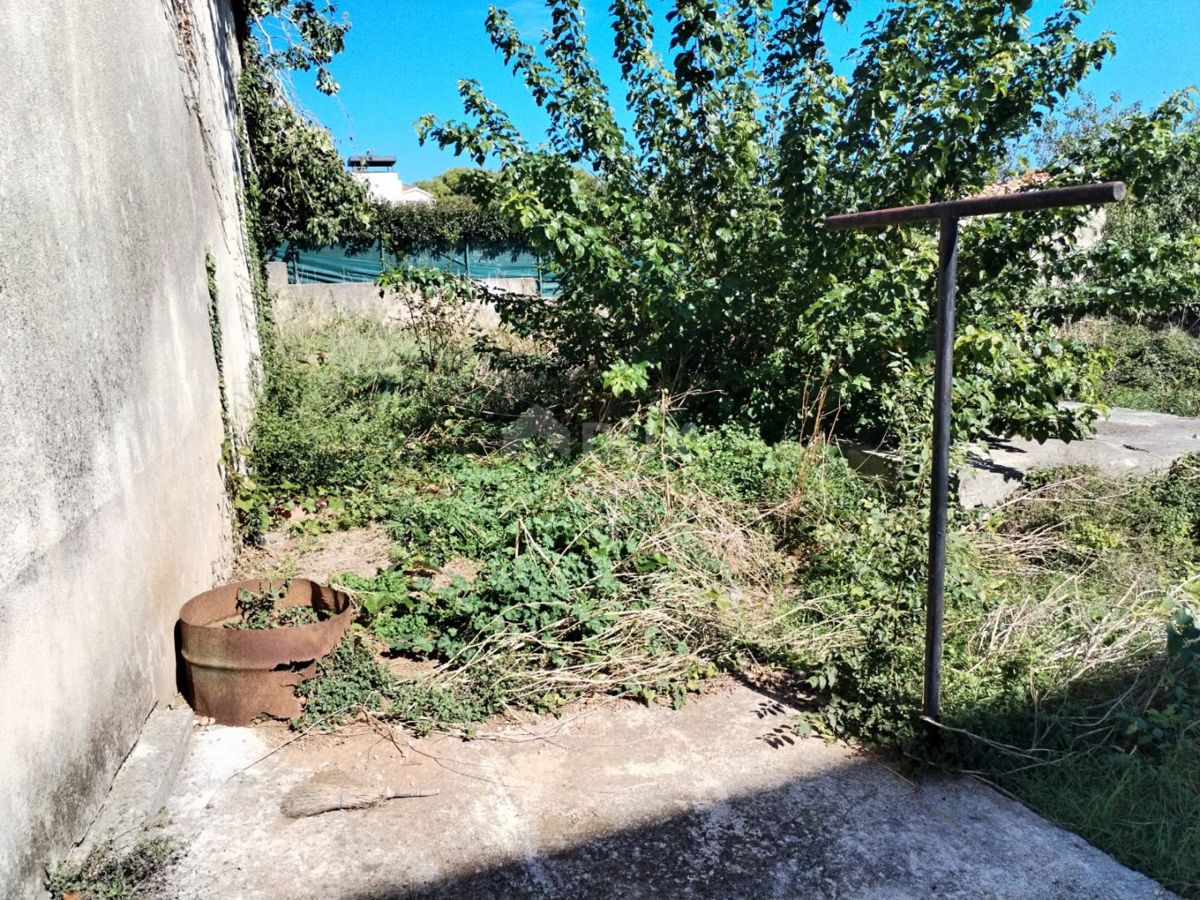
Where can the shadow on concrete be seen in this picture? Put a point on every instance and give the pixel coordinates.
(742, 851)
(1005, 444)
(852, 831)
(987, 464)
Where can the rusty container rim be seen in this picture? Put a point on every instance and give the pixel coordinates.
(235, 675)
(210, 644)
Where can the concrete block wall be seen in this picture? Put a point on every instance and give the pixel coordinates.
(364, 299)
(118, 174)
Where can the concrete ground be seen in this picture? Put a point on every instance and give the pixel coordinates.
(719, 799)
(1129, 441)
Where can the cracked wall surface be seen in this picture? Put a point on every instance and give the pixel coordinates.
(118, 173)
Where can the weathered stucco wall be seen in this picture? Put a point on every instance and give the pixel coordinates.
(118, 171)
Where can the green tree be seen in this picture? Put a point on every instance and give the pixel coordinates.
(299, 35)
(460, 181)
(1146, 267)
(300, 188)
(296, 183)
(704, 253)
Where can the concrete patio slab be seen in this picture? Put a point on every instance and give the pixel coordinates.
(145, 780)
(721, 798)
(1128, 442)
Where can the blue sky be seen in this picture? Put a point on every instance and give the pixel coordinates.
(404, 58)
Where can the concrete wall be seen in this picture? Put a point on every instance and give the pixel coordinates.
(362, 299)
(118, 170)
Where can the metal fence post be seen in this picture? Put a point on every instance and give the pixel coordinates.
(947, 214)
(939, 495)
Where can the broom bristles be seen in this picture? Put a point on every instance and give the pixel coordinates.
(315, 797)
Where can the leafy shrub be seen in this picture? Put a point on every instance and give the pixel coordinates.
(1146, 268)
(1175, 709)
(1153, 368)
(705, 244)
(440, 312)
(446, 227)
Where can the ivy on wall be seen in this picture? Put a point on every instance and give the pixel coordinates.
(303, 193)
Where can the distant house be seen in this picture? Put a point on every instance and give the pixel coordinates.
(383, 184)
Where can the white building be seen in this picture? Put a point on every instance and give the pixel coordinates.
(387, 187)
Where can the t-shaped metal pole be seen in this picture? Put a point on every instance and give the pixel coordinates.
(948, 214)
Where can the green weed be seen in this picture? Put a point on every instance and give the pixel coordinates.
(636, 569)
(351, 680)
(260, 610)
(1154, 368)
(1070, 658)
(351, 407)
(109, 874)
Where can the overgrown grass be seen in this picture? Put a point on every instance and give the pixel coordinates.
(1099, 579)
(637, 569)
(1144, 810)
(532, 572)
(349, 406)
(1154, 368)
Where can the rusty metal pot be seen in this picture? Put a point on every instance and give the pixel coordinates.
(235, 675)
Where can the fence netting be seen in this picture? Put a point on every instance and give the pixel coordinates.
(338, 265)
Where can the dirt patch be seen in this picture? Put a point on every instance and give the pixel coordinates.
(406, 666)
(322, 557)
(457, 569)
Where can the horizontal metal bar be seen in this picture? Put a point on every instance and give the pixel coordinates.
(1078, 195)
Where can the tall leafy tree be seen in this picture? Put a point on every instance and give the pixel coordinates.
(703, 253)
(1146, 266)
(296, 182)
(297, 35)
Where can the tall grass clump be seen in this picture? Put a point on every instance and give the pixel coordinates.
(1071, 653)
(1154, 366)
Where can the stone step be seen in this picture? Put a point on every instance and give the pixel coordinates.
(145, 780)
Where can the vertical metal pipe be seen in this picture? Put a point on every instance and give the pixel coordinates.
(939, 496)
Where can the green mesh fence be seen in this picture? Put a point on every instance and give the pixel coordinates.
(337, 265)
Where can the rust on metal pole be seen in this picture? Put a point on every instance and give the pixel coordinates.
(1078, 195)
(948, 214)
